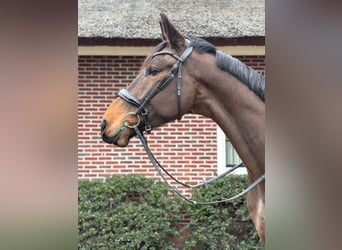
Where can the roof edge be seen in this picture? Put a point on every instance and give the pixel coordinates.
(104, 50)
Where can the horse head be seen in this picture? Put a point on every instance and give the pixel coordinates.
(162, 91)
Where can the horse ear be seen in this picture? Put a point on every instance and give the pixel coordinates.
(164, 38)
(170, 34)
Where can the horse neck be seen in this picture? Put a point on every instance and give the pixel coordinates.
(239, 113)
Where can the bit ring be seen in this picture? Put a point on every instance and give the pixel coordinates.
(126, 124)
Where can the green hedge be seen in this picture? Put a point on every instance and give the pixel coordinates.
(134, 212)
(224, 225)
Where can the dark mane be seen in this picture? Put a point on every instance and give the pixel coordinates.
(241, 71)
(233, 66)
(202, 46)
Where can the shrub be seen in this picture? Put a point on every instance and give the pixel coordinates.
(130, 212)
(134, 212)
(224, 225)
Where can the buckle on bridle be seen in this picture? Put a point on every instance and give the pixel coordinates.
(148, 127)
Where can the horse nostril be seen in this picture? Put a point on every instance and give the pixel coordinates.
(103, 126)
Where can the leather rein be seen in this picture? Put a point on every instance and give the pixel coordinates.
(143, 112)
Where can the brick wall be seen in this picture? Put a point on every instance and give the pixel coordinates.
(186, 148)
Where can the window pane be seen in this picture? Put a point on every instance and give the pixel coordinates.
(232, 158)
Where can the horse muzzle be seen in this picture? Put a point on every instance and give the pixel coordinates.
(121, 136)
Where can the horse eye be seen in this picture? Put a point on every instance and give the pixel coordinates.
(152, 72)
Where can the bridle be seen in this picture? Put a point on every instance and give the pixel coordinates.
(141, 104)
(143, 112)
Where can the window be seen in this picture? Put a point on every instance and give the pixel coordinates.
(232, 158)
(226, 154)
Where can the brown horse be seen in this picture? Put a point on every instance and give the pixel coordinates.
(190, 76)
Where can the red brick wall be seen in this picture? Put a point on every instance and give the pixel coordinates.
(186, 148)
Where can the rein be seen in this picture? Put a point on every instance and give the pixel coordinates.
(158, 166)
(141, 105)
